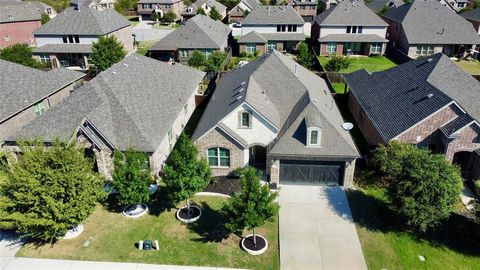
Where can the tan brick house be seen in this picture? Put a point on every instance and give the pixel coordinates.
(138, 103)
(238, 12)
(207, 5)
(145, 8)
(27, 93)
(429, 102)
(275, 115)
(307, 9)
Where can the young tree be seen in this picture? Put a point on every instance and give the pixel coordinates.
(197, 59)
(122, 6)
(336, 63)
(215, 15)
(201, 11)
(106, 52)
(185, 173)
(424, 187)
(216, 61)
(45, 18)
(253, 205)
(131, 177)
(169, 17)
(49, 190)
(304, 57)
(155, 17)
(20, 54)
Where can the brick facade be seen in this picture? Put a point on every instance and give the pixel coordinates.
(261, 48)
(145, 13)
(18, 32)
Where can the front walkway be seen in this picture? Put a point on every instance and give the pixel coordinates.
(316, 230)
(9, 245)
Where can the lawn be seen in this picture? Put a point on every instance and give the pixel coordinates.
(203, 243)
(133, 20)
(388, 245)
(338, 87)
(143, 46)
(471, 67)
(164, 26)
(371, 63)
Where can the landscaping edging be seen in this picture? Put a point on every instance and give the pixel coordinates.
(189, 220)
(74, 232)
(136, 215)
(260, 241)
(215, 194)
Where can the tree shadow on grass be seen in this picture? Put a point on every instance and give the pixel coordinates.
(210, 226)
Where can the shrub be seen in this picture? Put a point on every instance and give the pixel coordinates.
(169, 17)
(304, 57)
(197, 59)
(336, 63)
(20, 54)
(106, 52)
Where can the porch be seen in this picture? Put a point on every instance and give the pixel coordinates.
(352, 44)
(71, 56)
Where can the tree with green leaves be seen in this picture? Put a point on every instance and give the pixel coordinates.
(49, 190)
(131, 177)
(185, 173)
(122, 6)
(155, 17)
(424, 187)
(252, 206)
(336, 63)
(20, 54)
(214, 14)
(216, 61)
(201, 11)
(45, 18)
(304, 57)
(169, 17)
(197, 59)
(106, 52)
(230, 3)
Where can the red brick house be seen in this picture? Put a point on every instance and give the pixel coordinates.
(429, 102)
(17, 23)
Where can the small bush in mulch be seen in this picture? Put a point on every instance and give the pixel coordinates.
(249, 244)
(224, 185)
(185, 214)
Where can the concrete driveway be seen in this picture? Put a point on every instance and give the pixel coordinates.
(143, 31)
(317, 230)
(9, 245)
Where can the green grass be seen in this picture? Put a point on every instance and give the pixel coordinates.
(370, 63)
(388, 245)
(339, 87)
(133, 20)
(203, 243)
(143, 46)
(161, 26)
(471, 67)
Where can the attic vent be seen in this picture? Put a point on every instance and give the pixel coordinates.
(242, 84)
(126, 65)
(429, 60)
(241, 90)
(239, 97)
(114, 72)
(430, 95)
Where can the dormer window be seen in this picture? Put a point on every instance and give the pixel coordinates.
(245, 120)
(314, 130)
(314, 136)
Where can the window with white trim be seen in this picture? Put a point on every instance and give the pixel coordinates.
(376, 48)
(44, 58)
(39, 108)
(331, 47)
(183, 53)
(245, 119)
(218, 157)
(251, 48)
(424, 50)
(314, 136)
(271, 45)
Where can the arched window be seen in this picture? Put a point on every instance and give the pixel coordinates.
(218, 157)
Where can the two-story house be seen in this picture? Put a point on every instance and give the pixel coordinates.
(27, 93)
(145, 8)
(350, 28)
(207, 6)
(269, 28)
(200, 33)
(305, 8)
(378, 5)
(473, 16)
(327, 4)
(66, 40)
(426, 27)
(238, 12)
(93, 4)
(276, 115)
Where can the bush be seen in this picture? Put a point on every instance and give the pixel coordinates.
(214, 14)
(336, 63)
(106, 52)
(169, 17)
(304, 57)
(197, 59)
(216, 61)
(20, 54)
(45, 18)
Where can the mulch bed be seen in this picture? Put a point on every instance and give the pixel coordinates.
(194, 212)
(224, 185)
(248, 243)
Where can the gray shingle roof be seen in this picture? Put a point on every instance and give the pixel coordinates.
(349, 13)
(429, 22)
(264, 37)
(473, 15)
(125, 114)
(211, 3)
(19, 13)
(456, 124)
(303, 3)
(200, 32)
(271, 87)
(273, 15)
(21, 87)
(377, 5)
(252, 37)
(64, 48)
(85, 21)
(158, 1)
(352, 38)
(251, 3)
(398, 98)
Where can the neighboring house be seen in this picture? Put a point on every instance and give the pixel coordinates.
(238, 12)
(39, 6)
(271, 27)
(307, 9)
(17, 23)
(111, 112)
(456, 5)
(66, 40)
(427, 27)
(198, 34)
(429, 102)
(207, 6)
(27, 93)
(327, 4)
(350, 28)
(473, 16)
(377, 5)
(275, 115)
(93, 4)
(145, 8)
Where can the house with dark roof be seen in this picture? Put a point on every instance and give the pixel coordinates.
(207, 5)
(145, 8)
(27, 93)
(377, 5)
(275, 115)
(350, 28)
(307, 9)
(473, 16)
(238, 12)
(18, 21)
(66, 40)
(269, 28)
(429, 102)
(200, 33)
(111, 112)
(426, 27)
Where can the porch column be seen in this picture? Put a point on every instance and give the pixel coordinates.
(274, 172)
(85, 61)
(349, 172)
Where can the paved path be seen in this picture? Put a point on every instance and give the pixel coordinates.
(9, 245)
(143, 31)
(317, 230)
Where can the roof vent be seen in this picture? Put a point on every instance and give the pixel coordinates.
(239, 97)
(430, 95)
(442, 32)
(114, 72)
(429, 60)
(136, 58)
(241, 90)
(295, 71)
(125, 64)
(242, 84)
(315, 100)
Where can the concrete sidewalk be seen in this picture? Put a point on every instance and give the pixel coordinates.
(9, 245)
(47, 264)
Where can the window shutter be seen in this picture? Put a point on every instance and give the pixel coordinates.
(249, 120)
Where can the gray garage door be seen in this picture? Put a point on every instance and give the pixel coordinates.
(315, 172)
